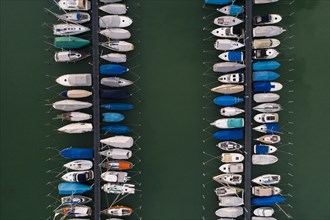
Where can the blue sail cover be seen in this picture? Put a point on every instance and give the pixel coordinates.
(118, 106)
(229, 135)
(112, 117)
(218, 2)
(261, 149)
(272, 128)
(72, 188)
(115, 94)
(235, 56)
(262, 86)
(77, 153)
(116, 129)
(267, 200)
(227, 100)
(266, 65)
(113, 69)
(265, 76)
(236, 10)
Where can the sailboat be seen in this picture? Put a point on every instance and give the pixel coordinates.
(70, 56)
(119, 141)
(70, 105)
(70, 80)
(116, 33)
(79, 165)
(69, 29)
(118, 188)
(117, 154)
(114, 9)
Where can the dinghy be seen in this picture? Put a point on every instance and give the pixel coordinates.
(234, 56)
(69, 29)
(119, 46)
(269, 139)
(117, 154)
(118, 141)
(266, 118)
(264, 211)
(118, 189)
(228, 89)
(267, 179)
(230, 111)
(268, 200)
(74, 200)
(267, 86)
(114, 94)
(226, 44)
(117, 165)
(76, 128)
(229, 32)
(115, 57)
(114, 21)
(232, 78)
(231, 157)
(74, 116)
(77, 153)
(264, 149)
(227, 100)
(264, 76)
(70, 42)
(229, 146)
(264, 1)
(231, 10)
(229, 212)
(84, 79)
(115, 177)
(218, 2)
(74, 5)
(229, 135)
(113, 69)
(232, 168)
(227, 191)
(70, 105)
(228, 201)
(118, 106)
(264, 54)
(267, 31)
(265, 190)
(118, 211)
(267, 128)
(116, 33)
(265, 97)
(265, 43)
(265, 65)
(114, 9)
(112, 117)
(73, 188)
(116, 129)
(225, 67)
(268, 107)
(75, 93)
(79, 165)
(263, 218)
(115, 82)
(74, 211)
(233, 179)
(266, 19)
(263, 159)
(78, 176)
(228, 123)
(76, 17)
(227, 21)
(70, 56)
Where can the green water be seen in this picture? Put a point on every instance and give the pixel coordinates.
(171, 112)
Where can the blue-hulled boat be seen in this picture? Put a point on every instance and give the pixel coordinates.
(264, 149)
(232, 56)
(229, 135)
(112, 117)
(218, 2)
(267, 86)
(227, 100)
(231, 10)
(115, 94)
(267, 200)
(265, 65)
(113, 69)
(72, 188)
(116, 129)
(265, 76)
(77, 153)
(118, 106)
(268, 128)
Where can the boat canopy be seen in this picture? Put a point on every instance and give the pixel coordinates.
(235, 123)
(235, 55)
(262, 149)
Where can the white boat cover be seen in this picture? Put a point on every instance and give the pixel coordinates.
(119, 141)
(115, 9)
(116, 33)
(230, 212)
(230, 201)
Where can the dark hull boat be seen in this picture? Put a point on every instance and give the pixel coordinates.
(114, 94)
(118, 106)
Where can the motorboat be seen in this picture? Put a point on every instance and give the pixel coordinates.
(83, 79)
(75, 200)
(228, 123)
(118, 106)
(112, 117)
(228, 201)
(265, 97)
(233, 179)
(70, 105)
(227, 21)
(114, 94)
(118, 141)
(74, 116)
(263, 211)
(267, 200)
(114, 21)
(117, 165)
(115, 177)
(267, 86)
(267, 31)
(78, 176)
(232, 78)
(115, 57)
(264, 149)
(231, 157)
(76, 128)
(229, 212)
(77, 153)
(265, 43)
(234, 56)
(74, 211)
(116, 129)
(265, 190)
(267, 19)
(230, 111)
(266, 117)
(70, 42)
(114, 9)
(117, 154)
(231, 10)
(229, 146)
(225, 67)
(265, 65)
(218, 2)
(76, 17)
(227, 44)
(227, 100)
(267, 179)
(116, 33)
(79, 165)
(264, 1)
(264, 54)
(232, 168)
(118, 211)
(69, 29)
(228, 89)
(227, 191)
(268, 107)
(68, 188)
(229, 135)
(269, 128)
(115, 82)
(265, 76)
(113, 69)
(269, 139)
(119, 189)
(70, 56)
(74, 5)
(229, 32)
(75, 93)
(120, 46)
(259, 159)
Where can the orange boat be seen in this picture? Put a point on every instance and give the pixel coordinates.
(118, 210)
(117, 165)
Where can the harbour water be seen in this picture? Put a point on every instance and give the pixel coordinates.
(171, 111)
